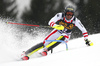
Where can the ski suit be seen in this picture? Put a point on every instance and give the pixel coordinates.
(60, 19)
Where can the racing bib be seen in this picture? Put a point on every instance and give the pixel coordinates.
(66, 25)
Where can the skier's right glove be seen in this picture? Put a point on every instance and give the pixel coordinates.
(58, 27)
(88, 42)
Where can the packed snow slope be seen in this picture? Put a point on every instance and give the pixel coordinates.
(13, 42)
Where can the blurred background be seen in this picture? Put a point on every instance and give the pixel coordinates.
(39, 12)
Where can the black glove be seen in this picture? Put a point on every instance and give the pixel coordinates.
(88, 42)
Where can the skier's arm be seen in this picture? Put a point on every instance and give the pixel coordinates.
(82, 28)
(84, 31)
(53, 21)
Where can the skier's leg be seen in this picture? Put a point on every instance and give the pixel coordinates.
(67, 36)
(51, 45)
(52, 36)
(55, 43)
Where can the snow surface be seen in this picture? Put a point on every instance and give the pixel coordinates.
(11, 46)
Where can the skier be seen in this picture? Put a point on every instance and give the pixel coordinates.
(63, 24)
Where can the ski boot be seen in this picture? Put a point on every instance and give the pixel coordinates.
(24, 56)
(43, 53)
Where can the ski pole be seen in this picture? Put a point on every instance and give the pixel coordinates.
(28, 24)
(22, 24)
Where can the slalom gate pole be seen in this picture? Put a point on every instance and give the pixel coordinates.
(58, 41)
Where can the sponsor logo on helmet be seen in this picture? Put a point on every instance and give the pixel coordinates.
(70, 9)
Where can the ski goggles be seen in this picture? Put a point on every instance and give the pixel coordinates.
(69, 13)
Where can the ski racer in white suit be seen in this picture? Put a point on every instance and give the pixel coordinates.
(68, 20)
(63, 24)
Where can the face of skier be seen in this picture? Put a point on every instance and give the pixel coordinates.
(69, 15)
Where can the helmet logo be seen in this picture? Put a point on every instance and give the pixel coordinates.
(70, 9)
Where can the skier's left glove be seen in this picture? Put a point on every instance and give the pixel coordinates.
(88, 42)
